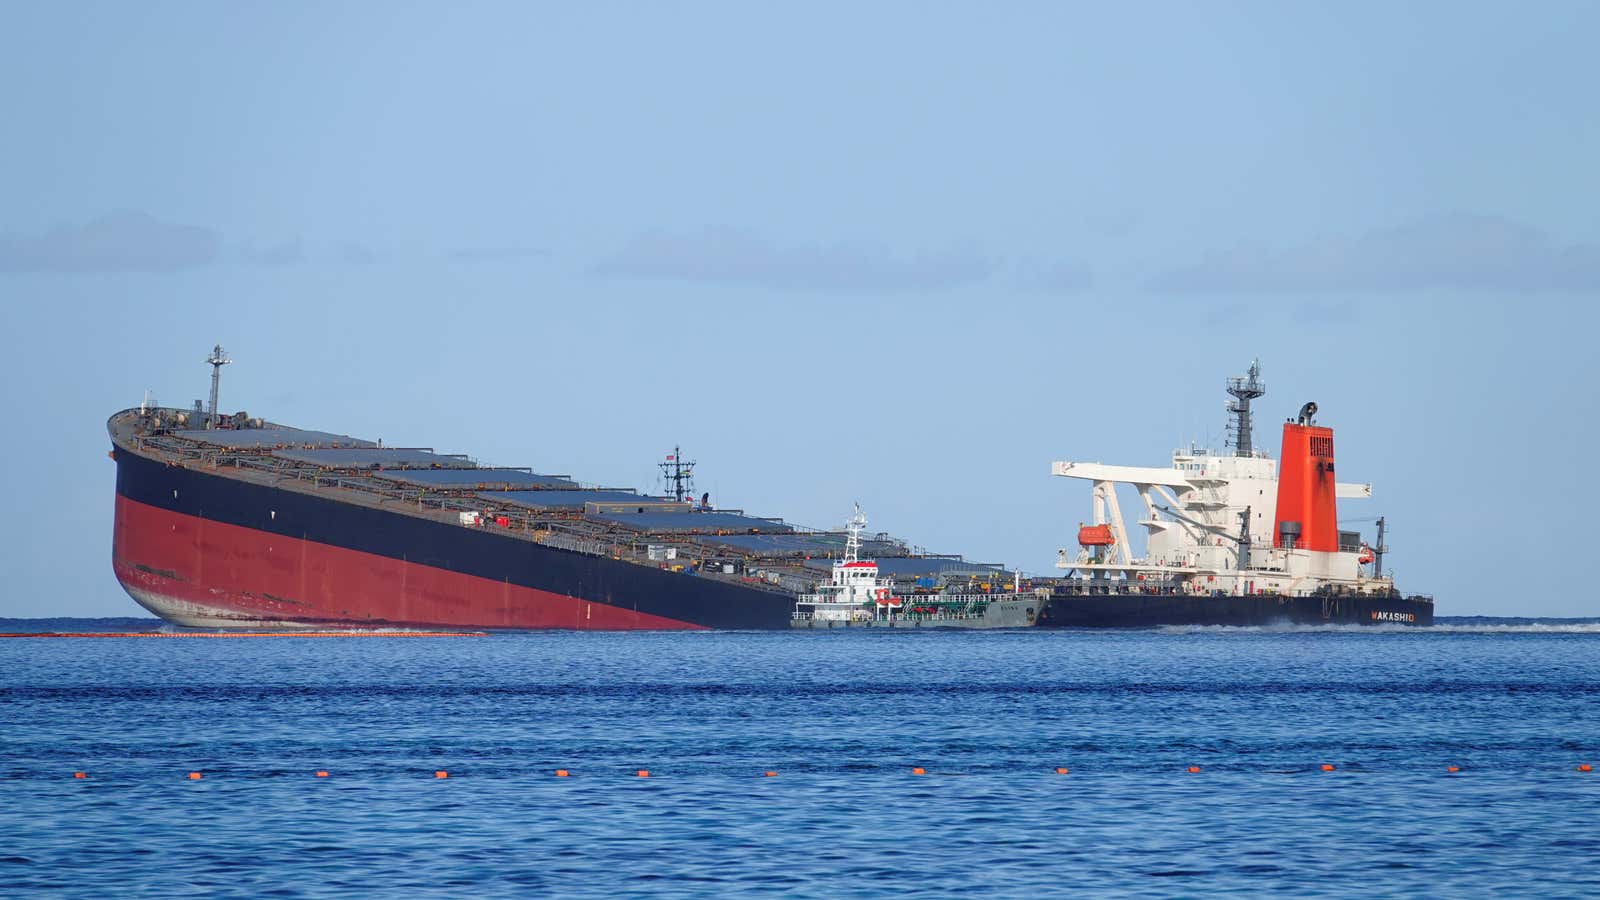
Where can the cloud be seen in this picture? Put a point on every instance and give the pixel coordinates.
(1054, 275)
(500, 254)
(1453, 251)
(737, 256)
(355, 253)
(119, 242)
(1314, 312)
(297, 251)
(284, 254)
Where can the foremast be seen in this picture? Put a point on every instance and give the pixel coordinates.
(852, 543)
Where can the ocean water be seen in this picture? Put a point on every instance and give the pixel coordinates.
(842, 718)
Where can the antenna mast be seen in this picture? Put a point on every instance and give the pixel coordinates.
(679, 473)
(217, 359)
(1244, 389)
(853, 528)
(1378, 551)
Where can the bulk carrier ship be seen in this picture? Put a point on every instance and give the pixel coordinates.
(231, 521)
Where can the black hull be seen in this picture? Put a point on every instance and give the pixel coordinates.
(1146, 610)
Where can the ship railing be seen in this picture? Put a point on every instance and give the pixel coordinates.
(799, 616)
(967, 600)
(577, 544)
(941, 616)
(1206, 497)
(781, 581)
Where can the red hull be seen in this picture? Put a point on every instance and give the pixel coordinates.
(201, 572)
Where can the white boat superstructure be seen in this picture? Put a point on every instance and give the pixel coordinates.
(856, 592)
(1225, 523)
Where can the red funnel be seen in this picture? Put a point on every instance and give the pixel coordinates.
(1306, 492)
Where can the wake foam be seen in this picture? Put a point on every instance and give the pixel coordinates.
(1520, 626)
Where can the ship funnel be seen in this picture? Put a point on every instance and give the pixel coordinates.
(1307, 517)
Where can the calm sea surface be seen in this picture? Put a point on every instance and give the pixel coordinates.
(841, 718)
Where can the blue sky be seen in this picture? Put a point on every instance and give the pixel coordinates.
(900, 253)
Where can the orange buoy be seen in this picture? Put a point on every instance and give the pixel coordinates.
(1585, 767)
(1194, 770)
(642, 773)
(1061, 770)
(79, 775)
(441, 774)
(561, 773)
(1452, 768)
(918, 770)
(769, 774)
(1327, 767)
(194, 776)
(322, 773)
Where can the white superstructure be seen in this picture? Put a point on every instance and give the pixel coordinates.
(1209, 521)
(856, 592)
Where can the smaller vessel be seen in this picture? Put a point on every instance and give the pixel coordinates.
(859, 596)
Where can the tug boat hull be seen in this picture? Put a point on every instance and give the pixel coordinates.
(1022, 612)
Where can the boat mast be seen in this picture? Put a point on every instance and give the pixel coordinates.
(1244, 389)
(217, 359)
(1377, 552)
(852, 544)
(678, 472)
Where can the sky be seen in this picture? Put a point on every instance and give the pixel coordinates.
(905, 254)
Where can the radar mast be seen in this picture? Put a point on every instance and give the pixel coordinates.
(678, 473)
(1244, 389)
(217, 359)
(853, 528)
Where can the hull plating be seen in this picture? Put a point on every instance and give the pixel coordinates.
(203, 549)
(1144, 610)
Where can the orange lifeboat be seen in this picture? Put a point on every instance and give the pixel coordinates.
(1095, 536)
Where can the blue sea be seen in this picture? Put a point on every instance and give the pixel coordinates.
(842, 718)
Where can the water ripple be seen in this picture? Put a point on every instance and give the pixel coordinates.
(842, 719)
